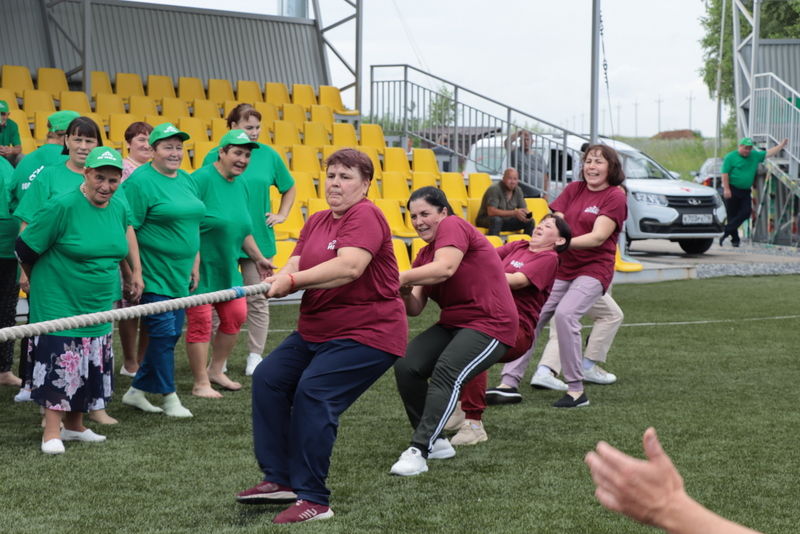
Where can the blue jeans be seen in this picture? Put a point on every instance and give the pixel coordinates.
(157, 372)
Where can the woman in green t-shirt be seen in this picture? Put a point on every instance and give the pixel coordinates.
(166, 215)
(71, 253)
(225, 233)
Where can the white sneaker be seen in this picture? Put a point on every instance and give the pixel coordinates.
(441, 450)
(598, 375)
(547, 381)
(470, 433)
(125, 372)
(86, 435)
(24, 395)
(253, 360)
(411, 463)
(53, 446)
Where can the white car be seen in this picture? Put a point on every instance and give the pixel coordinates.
(660, 205)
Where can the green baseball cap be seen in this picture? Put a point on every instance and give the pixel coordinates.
(166, 130)
(59, 121)
(746, 141)
(237, 137)
(3, 106)
(103, 156)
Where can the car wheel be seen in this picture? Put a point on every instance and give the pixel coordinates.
(695, 246)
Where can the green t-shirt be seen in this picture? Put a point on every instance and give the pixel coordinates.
(9, 134)
(9, 226)
(81, 246)
(51, 182)
(29, 168)
(266, 168)
(166, 215)
(742, 171)
(222, 230)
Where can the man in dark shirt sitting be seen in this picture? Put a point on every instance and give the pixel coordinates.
(503, 206)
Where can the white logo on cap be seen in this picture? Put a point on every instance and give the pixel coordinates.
(170, 129)
(107, 155)
(244, 136)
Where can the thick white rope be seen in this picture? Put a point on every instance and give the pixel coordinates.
(89, 319)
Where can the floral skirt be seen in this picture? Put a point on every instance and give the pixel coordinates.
(73, 374)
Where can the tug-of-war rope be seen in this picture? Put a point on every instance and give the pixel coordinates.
(89, 319)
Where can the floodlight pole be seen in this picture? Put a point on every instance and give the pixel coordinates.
(87, 47)
(595, 90)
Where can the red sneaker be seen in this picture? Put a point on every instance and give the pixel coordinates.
(266, 492)
(303, 511)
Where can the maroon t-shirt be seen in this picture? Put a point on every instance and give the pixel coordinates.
(540, 270)
(368, 310)
(581, 207)
(477, 295)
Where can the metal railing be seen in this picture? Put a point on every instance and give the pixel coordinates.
(774, 116)
(462, 126)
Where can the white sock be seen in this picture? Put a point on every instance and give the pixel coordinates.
(588, 364)
(544, 370)
(256, 354)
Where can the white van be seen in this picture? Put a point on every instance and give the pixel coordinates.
(660, 205)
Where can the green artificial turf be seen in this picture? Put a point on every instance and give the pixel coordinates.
(721, 394)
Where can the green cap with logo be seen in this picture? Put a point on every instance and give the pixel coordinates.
(165, 131)
(3, 106)
(746, 141)
(103, 156)
(59, 121)
(237, 137)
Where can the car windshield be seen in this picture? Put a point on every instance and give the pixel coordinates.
(489, 159)
(638, 166)
(712, 166)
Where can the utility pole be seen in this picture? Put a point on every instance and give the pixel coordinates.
(595, 77)
(690, 109)
(619, 124)
(659, 101)
(636, 118)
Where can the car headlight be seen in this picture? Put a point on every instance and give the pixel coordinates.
(717, 201)
(651, 198)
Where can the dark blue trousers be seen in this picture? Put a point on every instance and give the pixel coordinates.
(299, 392)
(156, 374)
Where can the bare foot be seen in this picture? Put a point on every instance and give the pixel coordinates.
(223, 381)
(206, 392)
(102, 417)
(9, 379)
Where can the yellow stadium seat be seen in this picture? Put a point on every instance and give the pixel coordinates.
(219, 91)
(201, 150)
(190, 89)
(303, 95)
(205, 109)
(417, 244)
(229, 106)
(422, 179)
(294, 221)
(372, 193)
(372, 135)
(293, 113)
(269, 112)
(323, 115)
(304, 187)
(397, 224)
(75, 101)
(518, 237)
(18, 116)
(248, 91)
(376, 161)
(423, 159)
(479, 182)
(395, 160)
(330, 96)
(27, 144)
(106, 104)
(117, 124)
(219, 127)
(327, 150)
(265, 135)
(51, 80)
(395, 187)
(9, 96)
(128, 84)
(160, 87)
(496, 241)
(98, 120)
(453, 186)
(39, 125)
(286, 133)
(100, 82)
(276, 93)
(473, 205)
(283, 252)
(315, 205)
(401, 254)
(17, 78)
(306, 159)
(186, 162)
(314, 134)
(34, 100)
(344, 135)
(196, 129)
(281, 150)
(173, 108)
(459, 207)
(142, 105)
(539, 208)
(155, 120)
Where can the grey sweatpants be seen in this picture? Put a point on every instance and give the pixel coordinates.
(449, 357)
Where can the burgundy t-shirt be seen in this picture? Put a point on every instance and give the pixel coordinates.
(368, 310)
(581, 207)
(477, 295)
(540, 270)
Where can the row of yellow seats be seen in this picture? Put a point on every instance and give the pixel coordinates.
(53, 80)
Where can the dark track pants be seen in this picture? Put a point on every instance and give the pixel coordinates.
(9, 294)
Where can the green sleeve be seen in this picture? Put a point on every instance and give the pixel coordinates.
(211, 157)
(727, 164)
(14, 134)
(6, 173)
(34, 199)
(762, 155)
(136, 199)
(43, 232)
(282, 178)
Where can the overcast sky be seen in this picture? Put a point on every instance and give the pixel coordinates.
(535, 54)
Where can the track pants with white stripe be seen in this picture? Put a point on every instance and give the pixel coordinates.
(438, 362)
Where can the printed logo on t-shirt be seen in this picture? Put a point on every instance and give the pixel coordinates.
(592, 209)
(332, 245)
(517, 264)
